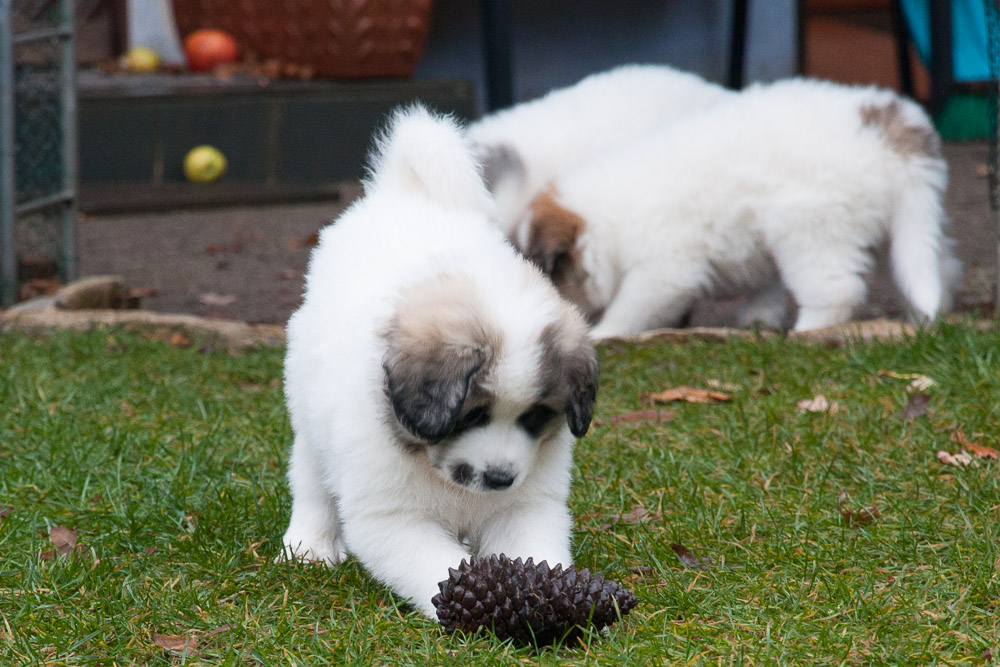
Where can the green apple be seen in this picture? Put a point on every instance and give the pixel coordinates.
(142, 59)
(204, 164)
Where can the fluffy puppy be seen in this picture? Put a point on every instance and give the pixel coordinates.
(794, 182)
(523, 148)
(434, 378)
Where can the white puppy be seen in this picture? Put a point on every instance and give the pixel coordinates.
(523, 148)
(795, 181)
(434, 378)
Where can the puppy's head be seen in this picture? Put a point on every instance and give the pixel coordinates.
(480, 392)
(549, 237)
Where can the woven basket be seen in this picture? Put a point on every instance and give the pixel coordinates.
(335, 38)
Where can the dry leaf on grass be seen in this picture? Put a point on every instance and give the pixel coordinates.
(65, 542)
(651, 415)
(689, 559)
(4, 512)
(818, 403)
(178, 643)
(960, 460)
(854, 517)
(179, 339)
(982, 451)
(637, 514)
(918, 382)
(689, 394)
(718, 384)
(916, 406)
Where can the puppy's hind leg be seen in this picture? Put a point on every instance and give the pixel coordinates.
(646, 300)
(827, 283)
(314, 529)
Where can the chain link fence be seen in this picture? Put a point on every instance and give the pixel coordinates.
(37, 144)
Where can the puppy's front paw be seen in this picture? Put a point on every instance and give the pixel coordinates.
(328, 552)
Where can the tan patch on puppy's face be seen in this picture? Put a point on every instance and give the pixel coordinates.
(553, 231)
(903, 138)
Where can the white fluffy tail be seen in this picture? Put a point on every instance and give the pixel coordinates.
(921, 254)
(426, 154)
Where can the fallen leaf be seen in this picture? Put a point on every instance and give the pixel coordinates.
(213, 299)
(689, 559)
(922, 383)
(856, 517)
(178, 643)
(234, 246)
(65, 542)
(718, 384)
(4, 512)
(818, 403)
(308, 241)
(982, 451)
(179, 339)
(960, 460)
(916, 406)
(63, 539)
(689, 394)
(651, 415)
(918, 382)
(987, 654)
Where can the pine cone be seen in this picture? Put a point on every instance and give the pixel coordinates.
(527, 602)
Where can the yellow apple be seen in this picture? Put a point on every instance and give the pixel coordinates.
(204, 164)
(142, 59)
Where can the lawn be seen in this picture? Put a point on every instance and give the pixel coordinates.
(167, 465)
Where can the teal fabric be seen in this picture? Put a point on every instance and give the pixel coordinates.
(969, 40)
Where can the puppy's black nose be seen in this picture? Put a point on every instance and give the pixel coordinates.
(497, 479)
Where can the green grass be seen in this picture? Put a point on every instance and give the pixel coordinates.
(169, 465)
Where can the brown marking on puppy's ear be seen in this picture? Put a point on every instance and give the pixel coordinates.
(437, 344)
(552, 233)
(569, 369)
(553, 236)
(903, 138)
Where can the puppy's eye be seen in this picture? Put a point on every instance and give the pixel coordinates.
(474, 418)
(536, 418)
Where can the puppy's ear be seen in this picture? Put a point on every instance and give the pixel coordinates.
(582, 380)
(569, 369)
(427, 387)
(552, 233)
(500, 164)
(436, 344)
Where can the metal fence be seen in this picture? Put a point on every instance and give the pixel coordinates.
(37, 140)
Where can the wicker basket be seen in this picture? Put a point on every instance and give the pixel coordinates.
(335, 38)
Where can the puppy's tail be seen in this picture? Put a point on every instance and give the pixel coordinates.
(427, 154)
(923, 264)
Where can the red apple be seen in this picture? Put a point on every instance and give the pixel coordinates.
(207, 49)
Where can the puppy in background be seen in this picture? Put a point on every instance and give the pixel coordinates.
(434, 378)
(524, 147)
(794, 182)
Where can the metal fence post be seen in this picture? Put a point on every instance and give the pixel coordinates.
(8, 200)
